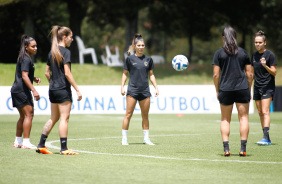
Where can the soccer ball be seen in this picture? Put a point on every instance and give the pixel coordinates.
(180, 63)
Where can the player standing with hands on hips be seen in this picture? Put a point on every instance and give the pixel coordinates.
(264, 63)
(20, 92)
(232, 75)
(58, 73)
(139, 66)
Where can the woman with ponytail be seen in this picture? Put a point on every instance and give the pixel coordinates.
(264, 63)
(233, 76)
(139, 66)
(58, 73)
(21, 92)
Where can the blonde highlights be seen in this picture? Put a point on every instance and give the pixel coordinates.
(137, 37)
(57, 34)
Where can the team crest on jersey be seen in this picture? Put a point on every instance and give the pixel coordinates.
(254, 61)
(146, 63)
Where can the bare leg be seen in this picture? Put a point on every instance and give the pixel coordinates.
(263, 109)
(55, 115)
(19, 131)
(243, 115)
(130, 105)
(64, 109)
(27, 122)
(226, 111)
(145, 106)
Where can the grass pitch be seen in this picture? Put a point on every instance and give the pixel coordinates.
(188, 150)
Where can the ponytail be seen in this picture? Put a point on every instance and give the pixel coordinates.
(230, 43)
(57, 34)
(25, 40)
(137, 37)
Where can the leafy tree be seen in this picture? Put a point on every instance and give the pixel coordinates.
(185, 19)
(119, 13)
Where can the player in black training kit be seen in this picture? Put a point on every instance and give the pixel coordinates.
(232, 75)
(139, 66)
(264, 63)
(58, 73)
(20, 92)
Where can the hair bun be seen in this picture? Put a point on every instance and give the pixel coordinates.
(260, 32)
(137, 35)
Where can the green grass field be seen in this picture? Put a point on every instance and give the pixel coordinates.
(89, 74)
(188, 150)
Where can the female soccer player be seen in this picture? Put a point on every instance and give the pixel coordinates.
(139, 66)
(20, 92)
(232, 75)
(264, 63)
(58, 73)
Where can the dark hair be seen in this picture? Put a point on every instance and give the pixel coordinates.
(262, 34)
(230, 43)
(57, 34)
(137, 37)
(25, 40)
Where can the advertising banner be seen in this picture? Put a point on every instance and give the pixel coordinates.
(107, 99)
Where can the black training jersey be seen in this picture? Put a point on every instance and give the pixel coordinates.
(263, 79)
(23, 65)
(138, 68)
(232, 68)
(58, 79)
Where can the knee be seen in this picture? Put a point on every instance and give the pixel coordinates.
(145, 116)
(264, 113)
(128, 115)
(29, 115)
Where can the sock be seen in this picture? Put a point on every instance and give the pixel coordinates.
(42, 141)
(124, 134)
(266, 133)
(19, 140)
(226, 146)
(63, 141)
(26, 141)
(243, 145)
(146, 134)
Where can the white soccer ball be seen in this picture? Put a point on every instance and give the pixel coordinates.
(180, 63)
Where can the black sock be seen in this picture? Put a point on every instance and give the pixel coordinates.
(226, 146)
(63, 141)
(243, 145)
(266, 133)
(42, 141)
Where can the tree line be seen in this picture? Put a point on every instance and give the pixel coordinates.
(101, 22)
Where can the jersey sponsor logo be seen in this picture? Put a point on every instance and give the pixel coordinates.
(146, 63)
(264, 95)
(254, 61)
(134, 63)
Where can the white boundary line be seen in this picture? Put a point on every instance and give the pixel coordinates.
(49, 145)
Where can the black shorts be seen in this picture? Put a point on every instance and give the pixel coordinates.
(60, 96)
(229, 97)
(139, 96)
(261, 93)
(22, 99)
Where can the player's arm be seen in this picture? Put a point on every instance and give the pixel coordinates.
(71, 80)
(271, 69)
(250, 75)
(29, 85)
(154, 82)
(37, 80)
(216, 78)
(123, 80)
(47, 73)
